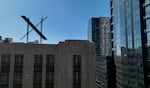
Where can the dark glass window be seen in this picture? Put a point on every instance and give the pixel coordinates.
(17, 86)
(4, 78)
(17, 77)
(76, 71)
(76, 77)
(38, 59)
(50, 60)
(18, 59)
(5, 59)
(77, 59)
(37, 77)
(49, 77)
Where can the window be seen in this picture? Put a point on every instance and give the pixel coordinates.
(18, 59)
(76, 77)
(17, 86)
(4, 78)
(37, 77)
(5, 59)
(77, 59)
(49, 77)
(17, 77)
(50, 60)
(76, 71)
(38, 59)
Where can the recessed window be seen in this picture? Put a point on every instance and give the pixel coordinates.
(37, 77)
(17, 77)
(18, 59)
(38, 59)
(77, 59)
(5, 59)
(49, 77)
(50, 60)
(76, 77)
(4, 78)
(77, 71)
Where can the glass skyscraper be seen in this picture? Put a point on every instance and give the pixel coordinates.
(94, 33)
(99, 33)
(129, 32)
(146, 5)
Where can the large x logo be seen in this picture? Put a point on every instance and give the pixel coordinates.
(34, 28)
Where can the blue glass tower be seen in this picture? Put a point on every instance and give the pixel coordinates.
(129, 41)
(146, 17)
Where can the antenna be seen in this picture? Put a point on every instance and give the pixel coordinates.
(27, 33)
(41, 29)
(34, 28)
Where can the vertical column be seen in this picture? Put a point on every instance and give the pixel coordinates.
(44, 72)
(28, 69)
(11, 73)
(27, 32)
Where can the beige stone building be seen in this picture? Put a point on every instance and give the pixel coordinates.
(69, 64)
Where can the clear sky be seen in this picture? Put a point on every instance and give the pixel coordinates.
(67, 19)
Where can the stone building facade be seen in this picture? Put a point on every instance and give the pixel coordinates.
(69, 64)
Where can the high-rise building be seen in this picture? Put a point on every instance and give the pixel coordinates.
(105, 72)
(130, 42)
(146, 5)
(69, 64)
(99, 32)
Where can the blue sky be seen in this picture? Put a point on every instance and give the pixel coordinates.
(67, 19)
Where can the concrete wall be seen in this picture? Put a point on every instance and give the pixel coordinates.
(63, 73)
